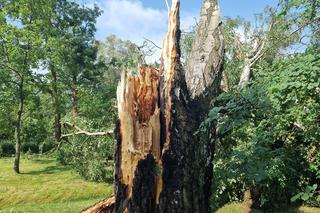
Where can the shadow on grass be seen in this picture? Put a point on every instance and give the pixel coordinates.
(49, 170)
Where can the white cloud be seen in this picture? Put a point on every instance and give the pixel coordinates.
(131, 20)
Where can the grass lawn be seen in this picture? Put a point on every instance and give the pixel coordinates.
(240, 208)
(46, 186)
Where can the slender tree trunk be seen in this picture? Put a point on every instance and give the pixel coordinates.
(161, 165)
(74, 93)
(56, 105)
(16, 166)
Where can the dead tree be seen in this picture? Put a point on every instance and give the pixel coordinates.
(258, 50)
(161, 165)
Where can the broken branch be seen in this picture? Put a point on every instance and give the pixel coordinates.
(83, 132)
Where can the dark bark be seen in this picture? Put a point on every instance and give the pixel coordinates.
(187, 164)
(74, 94)
(18, 124)
(56, 105)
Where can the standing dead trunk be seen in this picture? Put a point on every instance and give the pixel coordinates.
(16, 166)
(224, 82)
(56, 105)
(160, 164)
(245, 75)
(253, 56)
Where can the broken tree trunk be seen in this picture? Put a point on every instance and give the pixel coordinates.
(161, 165)
(253, 56)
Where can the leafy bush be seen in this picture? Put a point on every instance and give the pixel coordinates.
(30, 147)
(46, 146)
(269, 136)
(309, 195)
(64, 155)
(89, 156)
(7, 149)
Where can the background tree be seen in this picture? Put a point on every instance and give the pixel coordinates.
(19, 51)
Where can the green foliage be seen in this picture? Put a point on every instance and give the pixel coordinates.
(46, 146)
(30, 148)
(186, 44)
(119, 55)
(309, 195)
(6, 148)
(269, 135)
(89, 157)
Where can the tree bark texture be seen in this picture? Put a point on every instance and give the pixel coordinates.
(161, 165)
(74, 94)
(56, 105)
(16, 165)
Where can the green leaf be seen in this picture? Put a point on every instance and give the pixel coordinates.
(305, 197)
(296, 197)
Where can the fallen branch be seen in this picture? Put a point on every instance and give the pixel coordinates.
(83, 132)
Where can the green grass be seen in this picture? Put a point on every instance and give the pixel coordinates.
(46, 186)
(241, 208)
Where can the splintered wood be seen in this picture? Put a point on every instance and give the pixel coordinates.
(169, 57)
(105, 206)
(139, 116)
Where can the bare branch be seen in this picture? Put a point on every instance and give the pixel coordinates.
(83, 132)
(148, 40)
(261, 48)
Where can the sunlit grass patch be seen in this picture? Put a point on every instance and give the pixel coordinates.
(45, 185)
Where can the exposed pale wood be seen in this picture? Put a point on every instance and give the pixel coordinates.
(104, 206)
(139, 117)
(225, 82)
(167, 4)
(169, 58)
(252, 58)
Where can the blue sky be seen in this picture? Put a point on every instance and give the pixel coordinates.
(138, 19)
(244, 8)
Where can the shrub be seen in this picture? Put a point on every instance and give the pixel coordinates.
(7, 149)
(46, 146)
(34, 148)
(89, 157)
(64, 155)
